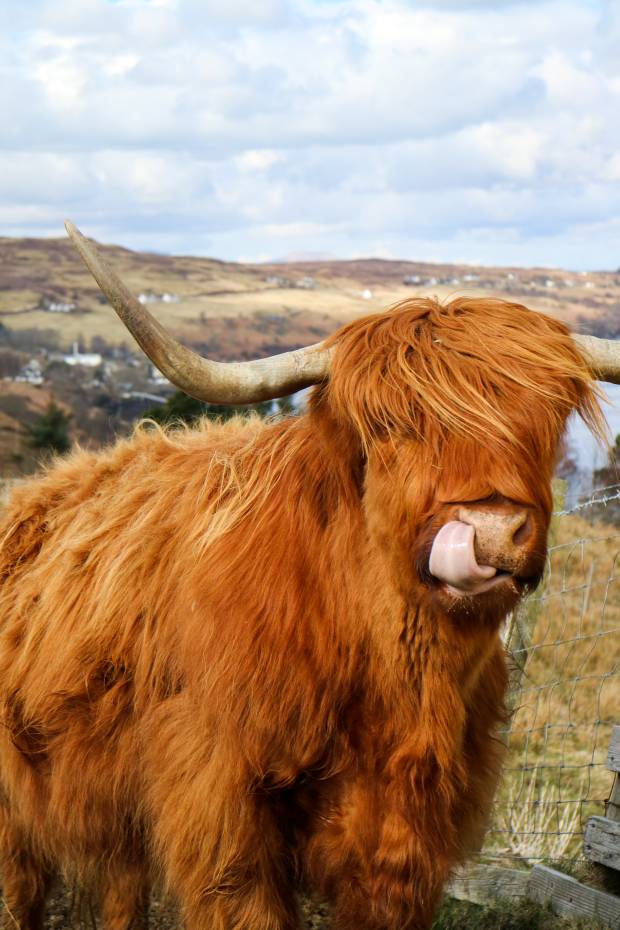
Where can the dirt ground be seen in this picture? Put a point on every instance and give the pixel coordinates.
(67, 912)
(70, 910)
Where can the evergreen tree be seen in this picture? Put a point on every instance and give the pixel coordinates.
(181, 408)
(50, 431)
(178, 408)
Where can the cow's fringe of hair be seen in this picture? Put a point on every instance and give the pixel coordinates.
(429, 370)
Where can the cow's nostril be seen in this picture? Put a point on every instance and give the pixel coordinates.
(522, 533)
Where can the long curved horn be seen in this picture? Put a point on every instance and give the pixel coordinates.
(603, 355)
(214, 382)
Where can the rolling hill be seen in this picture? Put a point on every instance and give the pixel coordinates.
(240, 310)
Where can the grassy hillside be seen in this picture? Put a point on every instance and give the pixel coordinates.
(280, 305)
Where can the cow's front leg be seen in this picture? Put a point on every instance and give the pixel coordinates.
(126, 895)
(223, 853)
(381, 868)
(24, 878)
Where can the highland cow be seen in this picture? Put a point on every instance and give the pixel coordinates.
(252, 657)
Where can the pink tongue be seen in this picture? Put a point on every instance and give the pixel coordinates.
(454, 562)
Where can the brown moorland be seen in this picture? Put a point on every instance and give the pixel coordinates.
(242, 309)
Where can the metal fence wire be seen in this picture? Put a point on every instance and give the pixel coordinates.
(564, 644)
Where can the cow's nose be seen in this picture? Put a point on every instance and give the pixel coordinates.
(501, 537)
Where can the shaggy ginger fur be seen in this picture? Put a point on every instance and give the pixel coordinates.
(223, 660)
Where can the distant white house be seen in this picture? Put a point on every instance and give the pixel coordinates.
(150, 298)
(156, 377)
(60, 307)
(31, 373)
(276, 280)
(57, 306)
(88, 359)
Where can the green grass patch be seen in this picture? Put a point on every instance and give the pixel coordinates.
(504, 915)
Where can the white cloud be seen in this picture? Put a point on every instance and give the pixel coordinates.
(444, 128)
(257, 160)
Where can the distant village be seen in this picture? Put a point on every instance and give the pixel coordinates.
(57, 306)
(98, 368)
(33, 371)
(510, 280)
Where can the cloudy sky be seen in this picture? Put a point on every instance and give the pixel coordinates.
(252, 129)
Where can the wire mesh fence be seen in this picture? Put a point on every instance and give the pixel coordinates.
(564, 642)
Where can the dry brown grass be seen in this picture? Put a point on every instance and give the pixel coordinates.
(567, 698)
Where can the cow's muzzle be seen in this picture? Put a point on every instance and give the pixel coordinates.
(483, 548)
